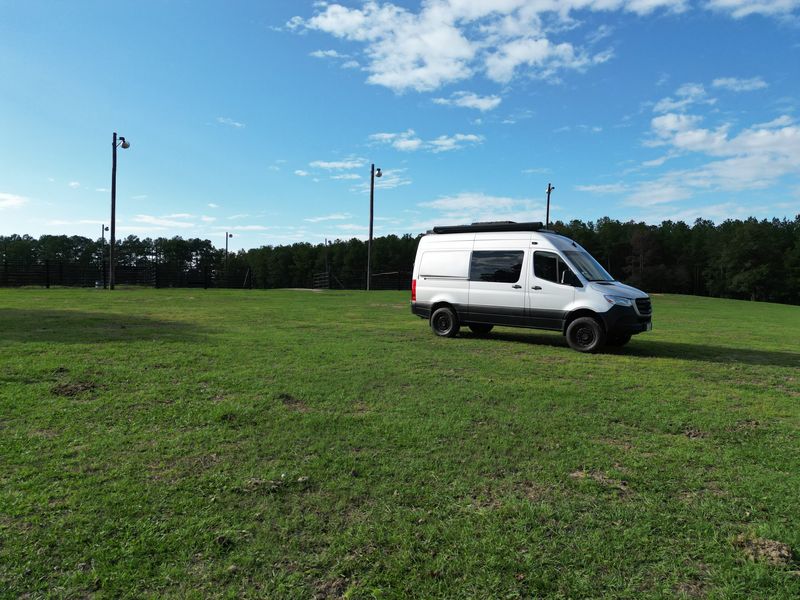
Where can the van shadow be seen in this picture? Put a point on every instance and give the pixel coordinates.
(661, 349)
(81, 327)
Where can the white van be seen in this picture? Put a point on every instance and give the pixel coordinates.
(521, 275)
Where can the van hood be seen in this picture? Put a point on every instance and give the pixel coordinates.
(615, 288)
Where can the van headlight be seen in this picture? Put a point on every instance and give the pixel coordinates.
(619, 300)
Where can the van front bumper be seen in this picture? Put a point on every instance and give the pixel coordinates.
(625, 320)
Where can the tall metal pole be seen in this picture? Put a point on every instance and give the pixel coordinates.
(550, 188)
(226, 254)
(113, 238)
(371, 209)
(103, 229)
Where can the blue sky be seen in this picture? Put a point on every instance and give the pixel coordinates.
(262, 118)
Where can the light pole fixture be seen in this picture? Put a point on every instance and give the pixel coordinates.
(373, 174)
(550, 188)
(117, 141)
(227, 237)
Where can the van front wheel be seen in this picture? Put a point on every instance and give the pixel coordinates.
(585, 334)
(444, 322)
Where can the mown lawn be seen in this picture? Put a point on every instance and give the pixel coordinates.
(290, 444)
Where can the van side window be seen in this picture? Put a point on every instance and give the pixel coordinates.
(496, 266)
(550, 267)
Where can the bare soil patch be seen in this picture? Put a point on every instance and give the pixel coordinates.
(772, 552)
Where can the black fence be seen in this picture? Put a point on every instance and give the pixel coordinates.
(62, 273)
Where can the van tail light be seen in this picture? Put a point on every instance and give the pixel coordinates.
(413, 290)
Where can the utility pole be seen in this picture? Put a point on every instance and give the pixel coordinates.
(373, 174)
(103, 229)
(550, 188)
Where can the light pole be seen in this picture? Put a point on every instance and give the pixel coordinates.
(103, 229)
(550, 188)
(373, 174)
(125, 144)
(227, 237)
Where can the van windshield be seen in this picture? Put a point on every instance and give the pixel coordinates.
(587, 266)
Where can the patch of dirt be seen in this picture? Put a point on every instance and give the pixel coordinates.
(70, 390)
(334, 588)
(533, 491)
(255, 485)
(772, 552)
(293, 403)
(616, 443)
(693, 433)
(745, 425)
(696, 587)
(47, 434)
(618, 484)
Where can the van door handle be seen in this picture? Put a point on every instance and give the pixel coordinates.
(516, 287)
(536, 287)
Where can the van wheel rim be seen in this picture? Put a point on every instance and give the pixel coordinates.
(442, 323)
(584, 336)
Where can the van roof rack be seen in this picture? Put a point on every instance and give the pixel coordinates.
(489, 226)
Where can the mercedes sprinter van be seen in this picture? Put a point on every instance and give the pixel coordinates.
(522, 275)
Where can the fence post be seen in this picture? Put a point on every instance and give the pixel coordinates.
(47, 273)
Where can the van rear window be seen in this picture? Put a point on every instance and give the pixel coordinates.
(449, 263)
(502, 266)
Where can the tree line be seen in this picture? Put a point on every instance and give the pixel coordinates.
(749, 259)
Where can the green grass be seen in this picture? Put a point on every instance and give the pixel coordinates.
(289, 444)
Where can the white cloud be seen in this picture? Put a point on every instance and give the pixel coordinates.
(469, 207)
(239, 216)
(8, 200)
(740, 85)
(101, 190)
(755, 158)
(390, 179)
(139, 197)
(339, 165)
(445, 143)
(74, 185)
(470, 100)
(206, 219)
(346, 176)
(686, 95)
(408, 141)
(333, 217)
(301, 173)
(327, 54)
(351, 64)
(605, 188)
(164, 221)
(446, 41)
(542, 56)
(450, 40)
(212, 205)
(230, 122)
(744, 8)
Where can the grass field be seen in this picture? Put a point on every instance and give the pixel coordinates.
(290, 444)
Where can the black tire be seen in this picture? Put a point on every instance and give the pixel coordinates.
(480, 328)
(618, 339)
(444, 322)
(585, 334)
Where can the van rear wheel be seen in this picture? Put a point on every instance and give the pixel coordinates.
(585, 334)
(480, 328)
(444, 322)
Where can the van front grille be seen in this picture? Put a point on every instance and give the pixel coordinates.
(644, 306)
